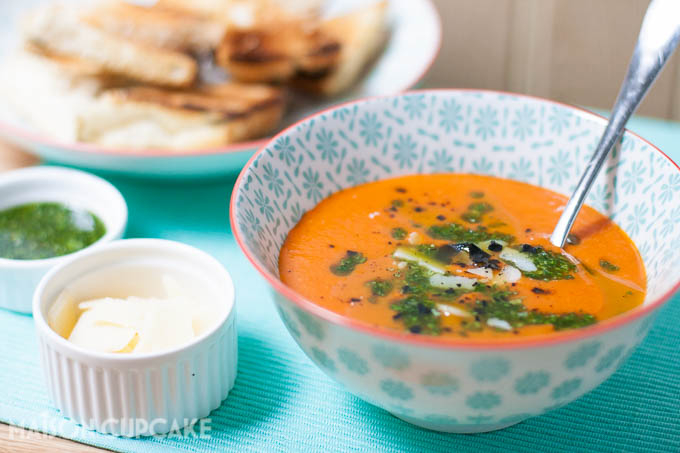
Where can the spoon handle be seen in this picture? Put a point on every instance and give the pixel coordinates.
(658, 38)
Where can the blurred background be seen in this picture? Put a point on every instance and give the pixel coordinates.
(574, 51)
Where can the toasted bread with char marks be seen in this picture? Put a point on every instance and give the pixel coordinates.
(211, 116)
(264, 54)
(59, 31)
(322, 57)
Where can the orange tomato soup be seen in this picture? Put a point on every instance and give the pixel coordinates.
(459, 255)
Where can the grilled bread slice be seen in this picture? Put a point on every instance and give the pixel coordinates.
(211, 116)
(322, 57)
(276, 53)
(157, 26)
(48, 93)
(361, 34)
(59, 31)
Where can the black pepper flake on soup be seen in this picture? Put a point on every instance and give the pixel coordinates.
(441, 217)
(355, 299)
(400, 190)
(526, 248)
(495, 246)
(331, 246)
(528, 230)
(418, 209)
(477, 255)
(537, 290)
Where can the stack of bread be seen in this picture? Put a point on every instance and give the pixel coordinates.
(182, 74)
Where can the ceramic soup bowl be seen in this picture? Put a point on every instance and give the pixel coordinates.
(463, 386)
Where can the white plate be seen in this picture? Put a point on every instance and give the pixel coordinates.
(415, 37)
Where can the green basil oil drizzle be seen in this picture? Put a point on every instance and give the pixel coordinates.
(46, 230)
(502, 305)
(476, 211)
(456, 232)
(380, 288)
(549, 265)
(418, 314)
(419, 306)
(609, 267)
(417, 309)
(347, 264)
(398, 233)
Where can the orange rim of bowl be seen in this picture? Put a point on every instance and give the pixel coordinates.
(38, 138)
(421, 340)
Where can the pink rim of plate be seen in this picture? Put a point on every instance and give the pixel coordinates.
(39, 139)
(417, 340)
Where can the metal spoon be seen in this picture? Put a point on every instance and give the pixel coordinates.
(659, 35)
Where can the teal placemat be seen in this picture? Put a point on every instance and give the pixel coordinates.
(282, 402)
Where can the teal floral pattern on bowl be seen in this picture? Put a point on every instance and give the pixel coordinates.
(608, 359)
(566, 388)
(396, 389)
(580, 357)
(483, 400)
(353, 361)
(532, 382)
(490, 370)
(458, 388)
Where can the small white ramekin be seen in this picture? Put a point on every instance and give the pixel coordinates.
(18, 278)
(139, 394)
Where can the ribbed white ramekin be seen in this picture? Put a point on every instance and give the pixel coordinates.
(138, 394)
(18, 278)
